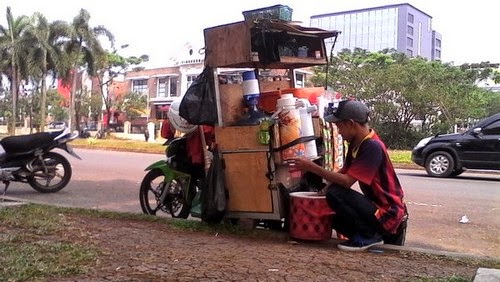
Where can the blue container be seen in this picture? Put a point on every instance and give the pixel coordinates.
(249, 75)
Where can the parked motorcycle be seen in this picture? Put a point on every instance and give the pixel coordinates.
(172, 185)
(30, 159)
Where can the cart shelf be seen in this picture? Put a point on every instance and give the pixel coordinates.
(237, 45)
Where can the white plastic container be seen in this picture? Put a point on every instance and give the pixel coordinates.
(307, 127)
(322, 104)
(289, 126)
(250, 84)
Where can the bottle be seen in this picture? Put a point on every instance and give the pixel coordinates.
(264, 136)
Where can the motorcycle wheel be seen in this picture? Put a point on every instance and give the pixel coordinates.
(50, 175)
(153, 186)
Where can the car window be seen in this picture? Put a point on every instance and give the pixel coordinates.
(492, 129)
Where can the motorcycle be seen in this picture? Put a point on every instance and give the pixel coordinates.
(173, 185)
(30, 159)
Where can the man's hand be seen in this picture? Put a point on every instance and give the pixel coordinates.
(302, 164)
(323, 191)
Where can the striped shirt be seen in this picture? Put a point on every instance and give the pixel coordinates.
(371, 166)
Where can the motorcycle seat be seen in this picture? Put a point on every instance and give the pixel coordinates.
(23, 143)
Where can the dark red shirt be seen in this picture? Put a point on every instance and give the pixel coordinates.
(378, 181)
(193, 141)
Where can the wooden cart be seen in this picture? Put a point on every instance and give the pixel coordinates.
(253, 173)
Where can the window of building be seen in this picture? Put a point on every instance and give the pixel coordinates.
(410, 30)
(140, 86)
(438, 54)
(161, 111)
(411, 18)
(167, 87)
(190, 79)
(409, 52)
(162, 89)
(173, 87)
(438, 43)
(409, 42)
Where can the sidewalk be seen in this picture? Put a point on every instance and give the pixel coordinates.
(270, 255)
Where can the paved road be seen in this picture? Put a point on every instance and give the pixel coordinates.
(108, 180)
(105, 180)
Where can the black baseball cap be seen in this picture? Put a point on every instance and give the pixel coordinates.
(349, 109)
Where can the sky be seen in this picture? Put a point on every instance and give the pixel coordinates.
(163, 29)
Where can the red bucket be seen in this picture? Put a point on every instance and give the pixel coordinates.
(310, 216)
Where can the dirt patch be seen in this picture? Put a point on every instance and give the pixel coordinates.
(135, 250)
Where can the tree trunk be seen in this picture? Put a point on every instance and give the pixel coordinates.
(72, 99)
(76, 107)
(43, 101)
(13, 87)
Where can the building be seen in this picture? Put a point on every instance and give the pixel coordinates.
(163, 85)
(401, 26)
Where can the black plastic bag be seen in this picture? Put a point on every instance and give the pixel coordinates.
(214, 194)
(198, 106)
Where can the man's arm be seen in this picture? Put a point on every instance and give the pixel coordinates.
(304, 164)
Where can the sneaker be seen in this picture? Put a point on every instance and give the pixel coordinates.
(361, 243)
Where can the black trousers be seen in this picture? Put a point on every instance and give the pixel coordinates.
(354, 213)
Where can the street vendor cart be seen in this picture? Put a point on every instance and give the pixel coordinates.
(257, 177)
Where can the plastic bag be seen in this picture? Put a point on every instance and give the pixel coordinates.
(214, 195)
(198, 106)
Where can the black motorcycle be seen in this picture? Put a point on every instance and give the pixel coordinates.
(30, 159)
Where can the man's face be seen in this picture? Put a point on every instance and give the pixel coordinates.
(346, 129)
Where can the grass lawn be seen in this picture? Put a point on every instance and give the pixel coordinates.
(119, 145)
(398, 157)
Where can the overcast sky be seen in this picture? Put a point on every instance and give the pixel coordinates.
(160, 29)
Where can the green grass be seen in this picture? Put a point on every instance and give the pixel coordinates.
(31, 245)
(402, 157)
(119, 145)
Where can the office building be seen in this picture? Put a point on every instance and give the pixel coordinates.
(401, 26)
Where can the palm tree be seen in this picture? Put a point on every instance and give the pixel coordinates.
(45, 54)
(84, 49)
(11, 45)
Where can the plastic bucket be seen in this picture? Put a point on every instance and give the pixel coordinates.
(310, 216)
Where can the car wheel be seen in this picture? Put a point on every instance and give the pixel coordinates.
(439, 164)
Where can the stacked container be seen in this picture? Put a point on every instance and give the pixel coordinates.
(289, 126)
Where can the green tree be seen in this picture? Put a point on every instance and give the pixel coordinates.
(57, 109)
(493, 103)
(400, 90)
(45, 56)
(12, 50)
(85, 50)
(132, 103)
(112, 66)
